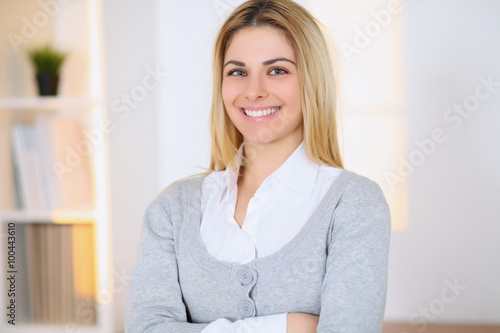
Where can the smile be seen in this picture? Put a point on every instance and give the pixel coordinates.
(261, 113)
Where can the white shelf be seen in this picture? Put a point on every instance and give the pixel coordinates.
(55, 216)
(47, 103)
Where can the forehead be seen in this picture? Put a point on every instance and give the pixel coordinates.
(264, 41)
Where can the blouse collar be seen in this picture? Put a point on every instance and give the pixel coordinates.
(298, 172)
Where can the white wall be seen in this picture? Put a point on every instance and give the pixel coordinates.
(454, 218)
(454, 215)
(128, 48)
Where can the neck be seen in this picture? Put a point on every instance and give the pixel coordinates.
(261, 160)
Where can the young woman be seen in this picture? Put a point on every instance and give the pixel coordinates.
(277, 237)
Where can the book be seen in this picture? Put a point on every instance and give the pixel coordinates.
(20, 166)
(61, 269)
(52, 164)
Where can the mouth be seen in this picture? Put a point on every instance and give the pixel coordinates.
(260, 112)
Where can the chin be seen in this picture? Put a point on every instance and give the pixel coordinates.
(264, 136)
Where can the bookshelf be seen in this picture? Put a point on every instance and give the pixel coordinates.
(48, 103)
(55, 216)
(62, 260)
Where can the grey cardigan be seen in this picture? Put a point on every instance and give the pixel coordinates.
(335, 267)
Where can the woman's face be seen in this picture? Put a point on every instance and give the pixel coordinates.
(261, 88)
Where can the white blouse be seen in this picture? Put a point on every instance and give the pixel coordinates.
(275, 214)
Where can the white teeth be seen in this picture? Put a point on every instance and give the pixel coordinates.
(260, 113)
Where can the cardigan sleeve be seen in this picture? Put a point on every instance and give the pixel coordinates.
(355, 284)
(154, 300)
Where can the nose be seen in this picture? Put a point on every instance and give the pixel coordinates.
(256, 88)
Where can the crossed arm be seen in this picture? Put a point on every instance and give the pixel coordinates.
(353, 290)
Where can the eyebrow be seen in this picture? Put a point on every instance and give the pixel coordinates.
(265, 63)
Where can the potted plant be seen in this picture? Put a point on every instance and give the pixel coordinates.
(47, 61)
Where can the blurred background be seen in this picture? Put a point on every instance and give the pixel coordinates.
(420, 84)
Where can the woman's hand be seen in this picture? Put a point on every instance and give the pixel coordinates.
(298, 322)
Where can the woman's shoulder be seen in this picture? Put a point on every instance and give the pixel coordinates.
(359, 188)
(181, 189)
(191, 186)
(360, 203)
(161, 212)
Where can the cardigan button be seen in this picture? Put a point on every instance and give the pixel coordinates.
(245, 276)
(246, 308)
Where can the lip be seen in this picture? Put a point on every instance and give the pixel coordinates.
(259, 108)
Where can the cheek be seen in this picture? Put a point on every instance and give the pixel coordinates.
(229, 91)
(289, 92)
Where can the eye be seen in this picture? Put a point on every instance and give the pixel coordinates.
(236, 72)
(278, 71)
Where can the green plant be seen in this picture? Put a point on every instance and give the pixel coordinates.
(47, 59)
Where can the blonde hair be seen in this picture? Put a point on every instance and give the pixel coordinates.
(318, 81)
